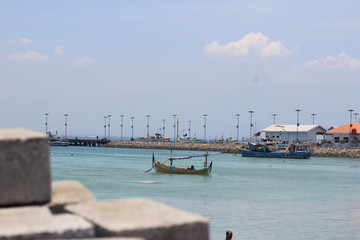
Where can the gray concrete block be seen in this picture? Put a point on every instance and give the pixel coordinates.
(109, 238)
(24, 167)
(68, 192)
(142, 218)
(38, 223)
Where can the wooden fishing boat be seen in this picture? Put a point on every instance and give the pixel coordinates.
(163, 168)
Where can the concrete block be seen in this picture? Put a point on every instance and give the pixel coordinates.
(38, 223)
(24, 167)
(142, 218)
(68, 192)
(109, 238)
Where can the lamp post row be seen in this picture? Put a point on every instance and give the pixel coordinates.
(189, 130)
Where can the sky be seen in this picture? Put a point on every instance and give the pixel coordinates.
(90, 59)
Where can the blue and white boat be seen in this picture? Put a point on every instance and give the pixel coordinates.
(296, 151)
(55, 140)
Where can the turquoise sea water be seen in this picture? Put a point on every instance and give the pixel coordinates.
(269, 199)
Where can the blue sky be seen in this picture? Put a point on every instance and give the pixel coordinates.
(93, 58)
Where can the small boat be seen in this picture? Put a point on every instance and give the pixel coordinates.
(55, 140)
(163, 168)
(296, 151)
(58, 143)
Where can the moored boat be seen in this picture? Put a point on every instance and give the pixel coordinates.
(55, 140)
(163, 168)
(295, 151)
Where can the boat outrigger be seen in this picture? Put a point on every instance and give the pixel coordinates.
(163, 168)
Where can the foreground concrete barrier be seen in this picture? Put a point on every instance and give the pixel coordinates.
(38, 223)
(110, 238)
(73, 211)
(142, 218)
(24, 167)
(68, 192)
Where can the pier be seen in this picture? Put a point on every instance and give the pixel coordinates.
(88, 142)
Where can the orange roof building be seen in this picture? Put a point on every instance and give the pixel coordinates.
(345, 133)
(354, 129)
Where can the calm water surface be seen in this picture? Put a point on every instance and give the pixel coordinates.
(269, 199)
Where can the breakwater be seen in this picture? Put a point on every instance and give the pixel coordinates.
(336, 152)
(226, 148)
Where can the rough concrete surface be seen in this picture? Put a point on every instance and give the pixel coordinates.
(24, 167)
(142, 218)
(68, 192)
(38, 223)
(109, 238)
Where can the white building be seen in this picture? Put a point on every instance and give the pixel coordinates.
(292, 133)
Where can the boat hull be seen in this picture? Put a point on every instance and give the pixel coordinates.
(294, 155)
(159, 167)
(62, 144)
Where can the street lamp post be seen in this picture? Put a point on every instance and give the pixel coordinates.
(105, 127)
(174, 127)
(351, 110)
(237, 127)
(66, 115)
(163, 128)
(177, 128)
(147, 126)
(297, 124)
(121, 126)
(251, 125)
(189, 129)
(313, 118)
(274, 116)
(205, 115)
(46, 122)
(356, 117)
(132, 128)
(109, 116)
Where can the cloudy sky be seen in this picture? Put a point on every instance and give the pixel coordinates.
(89, 59)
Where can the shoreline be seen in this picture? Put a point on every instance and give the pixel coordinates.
(225, 148)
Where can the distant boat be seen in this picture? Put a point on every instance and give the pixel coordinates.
(163, 168)
(296, 151)
(58, 143)
(55, 140)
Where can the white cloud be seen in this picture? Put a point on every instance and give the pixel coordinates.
(28, 56)
(84, 62)
(252, 44)
(21, 41)
(343, 61)
(59, 51)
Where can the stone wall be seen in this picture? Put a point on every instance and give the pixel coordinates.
(227, 148)
(34, 208)
(337, 152)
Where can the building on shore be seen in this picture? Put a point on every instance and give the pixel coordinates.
(293, 133)
(345, 134)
